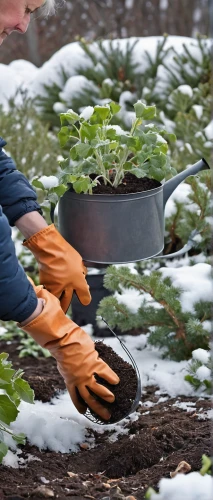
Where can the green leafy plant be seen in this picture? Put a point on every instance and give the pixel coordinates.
(13, 390)
(27, 346)
(102, 151)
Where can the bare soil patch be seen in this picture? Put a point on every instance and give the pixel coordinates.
(162, 436)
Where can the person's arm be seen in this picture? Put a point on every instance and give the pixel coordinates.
(30, 224)
(17, 197)
(61, 269)
(18, 300)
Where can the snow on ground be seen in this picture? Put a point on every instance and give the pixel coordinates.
(192, 486)
(58, 426)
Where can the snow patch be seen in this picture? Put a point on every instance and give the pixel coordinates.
(186, 90)
(49, 181)
(191, 486)
(201, 355)
(203, 373)
(194, 281)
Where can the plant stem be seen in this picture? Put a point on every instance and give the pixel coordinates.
(100, 164)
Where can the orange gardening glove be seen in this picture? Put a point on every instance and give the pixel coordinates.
(61, 268)
(74, 351)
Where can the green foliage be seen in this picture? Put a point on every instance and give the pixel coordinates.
(108, 153)
(206, 465)
(195, 213)
(45, 103)
(108, 72)
(176, 332)
(188, 69)
(111, 69)
(27, 346)
(32, 147)
(13, 390)
(197, 381)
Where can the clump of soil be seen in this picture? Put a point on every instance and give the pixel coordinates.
(129, 184)
(125, 391)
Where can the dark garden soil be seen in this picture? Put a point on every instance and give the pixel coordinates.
(125, 391)
(163, 436)
(129, 184)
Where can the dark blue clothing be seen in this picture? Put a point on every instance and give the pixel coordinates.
(17, 297)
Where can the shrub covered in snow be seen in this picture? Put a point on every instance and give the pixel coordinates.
(199, 369)
(170, 304)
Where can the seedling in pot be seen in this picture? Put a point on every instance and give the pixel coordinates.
(103, 154)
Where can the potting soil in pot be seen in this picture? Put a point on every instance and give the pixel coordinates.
(125, 391)
(129, 184)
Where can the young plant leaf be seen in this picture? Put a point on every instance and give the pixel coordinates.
(24, 390)
(63, 136)
(102, 111)
(82, 185)
(8, 410)
(70, 117)
(115, 107)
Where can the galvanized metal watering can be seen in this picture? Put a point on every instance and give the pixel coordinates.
(118, 229)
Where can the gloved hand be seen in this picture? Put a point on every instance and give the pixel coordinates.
(74, 351)
(61, 268)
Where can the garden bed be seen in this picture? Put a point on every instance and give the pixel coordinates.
(154, 444)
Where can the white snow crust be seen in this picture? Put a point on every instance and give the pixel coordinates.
(191, 486)
(201, 355)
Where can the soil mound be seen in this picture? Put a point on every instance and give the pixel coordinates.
(128, 457)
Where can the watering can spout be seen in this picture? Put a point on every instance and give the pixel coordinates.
(171, 185)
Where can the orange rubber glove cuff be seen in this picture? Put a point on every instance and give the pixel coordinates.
(61, 269)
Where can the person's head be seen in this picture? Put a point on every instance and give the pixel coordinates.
(15, 14)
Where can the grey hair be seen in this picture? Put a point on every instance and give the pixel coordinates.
(49, 7)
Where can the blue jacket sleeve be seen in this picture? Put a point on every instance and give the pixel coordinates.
(17, 197)
(17, 297)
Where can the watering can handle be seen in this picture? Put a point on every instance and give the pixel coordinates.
(52, 211)
(168, 189)
(191, 243)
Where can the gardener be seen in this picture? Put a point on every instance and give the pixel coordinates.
(40, 310)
